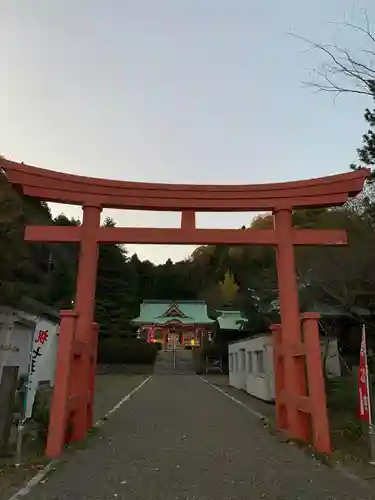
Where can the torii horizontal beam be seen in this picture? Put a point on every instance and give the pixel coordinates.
(176, 236)
(58, 187)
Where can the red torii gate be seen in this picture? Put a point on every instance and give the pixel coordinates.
(300, 403)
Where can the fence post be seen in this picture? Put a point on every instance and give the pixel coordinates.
(279, 373)
(8, 387)
(93, 359)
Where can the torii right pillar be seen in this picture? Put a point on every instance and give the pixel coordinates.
(301, 409)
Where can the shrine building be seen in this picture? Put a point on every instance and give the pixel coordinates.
(175, 324)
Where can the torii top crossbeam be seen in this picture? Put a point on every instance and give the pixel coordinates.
(58, 187)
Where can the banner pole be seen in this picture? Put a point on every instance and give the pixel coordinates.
(371, 433)
(371, 430)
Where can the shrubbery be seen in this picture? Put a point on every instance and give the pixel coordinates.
(41, 413)
(126, 352)
(199, 361)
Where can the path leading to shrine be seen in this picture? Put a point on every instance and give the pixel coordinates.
(178, 438)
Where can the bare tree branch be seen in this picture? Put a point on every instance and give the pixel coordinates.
(344, 72)
(367, 31)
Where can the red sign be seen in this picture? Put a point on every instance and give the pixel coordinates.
(363, 383)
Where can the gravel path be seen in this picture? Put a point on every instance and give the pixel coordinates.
(109, 389)
(180, 439)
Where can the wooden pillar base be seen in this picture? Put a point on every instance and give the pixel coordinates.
(70, 406)
(309, 405)
(59, 412)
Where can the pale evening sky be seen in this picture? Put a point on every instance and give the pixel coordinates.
(191, 91)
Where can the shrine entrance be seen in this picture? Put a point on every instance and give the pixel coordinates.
(174, 341)
(300, 395)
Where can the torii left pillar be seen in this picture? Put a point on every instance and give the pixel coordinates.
(85, 308)
(76, 357)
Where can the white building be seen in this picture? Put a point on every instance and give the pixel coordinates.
(251, 365)
(17, 332)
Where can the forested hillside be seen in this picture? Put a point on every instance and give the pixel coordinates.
(241, 277)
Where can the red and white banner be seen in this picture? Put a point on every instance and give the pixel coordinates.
(363, 383)
(42, 361)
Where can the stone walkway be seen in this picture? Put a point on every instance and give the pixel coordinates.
(180, 439)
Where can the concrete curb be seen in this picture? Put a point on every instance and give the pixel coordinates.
(235, 400)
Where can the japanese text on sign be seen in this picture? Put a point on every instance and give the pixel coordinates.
(35, 354)
(42, 337)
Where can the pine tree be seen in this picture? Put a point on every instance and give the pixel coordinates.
(115, 297)
(366, 155)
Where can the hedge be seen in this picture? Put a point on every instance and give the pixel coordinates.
(126, 351)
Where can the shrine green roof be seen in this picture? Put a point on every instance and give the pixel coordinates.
(231, 320)
(160, 312)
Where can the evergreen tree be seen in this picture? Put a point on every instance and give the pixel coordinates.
(62, 265)
(11, 241)
(366, 153)
(115, 299)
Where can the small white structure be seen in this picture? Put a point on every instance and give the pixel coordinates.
(15, 339)
(17, 333)
(251, 365)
